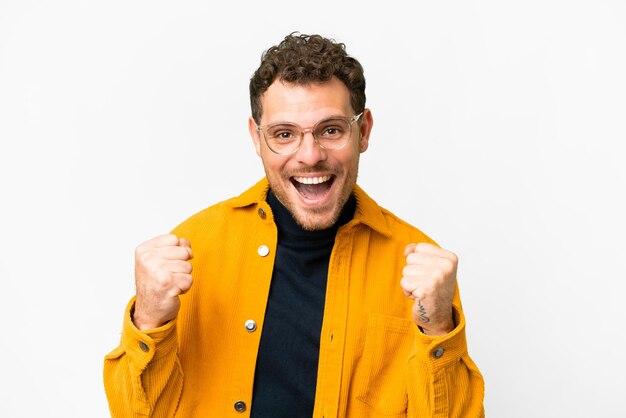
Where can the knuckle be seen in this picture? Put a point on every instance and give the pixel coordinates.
(404, 283)
(181, 267)
(407, 270)
(145, 257)
(188, 280)
(173, 291)
(184, 282)
(182, 253)
(171, 239)
(163, 278)
(141, 252)
(173, 253)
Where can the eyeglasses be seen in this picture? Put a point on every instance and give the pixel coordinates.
(285, 138)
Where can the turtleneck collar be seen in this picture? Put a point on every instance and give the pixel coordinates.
(289, 229)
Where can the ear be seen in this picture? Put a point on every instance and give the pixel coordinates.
(255, 134)
(365, 128)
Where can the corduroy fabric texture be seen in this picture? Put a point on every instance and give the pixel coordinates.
(373, 360)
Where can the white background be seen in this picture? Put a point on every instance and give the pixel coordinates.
(499, 131)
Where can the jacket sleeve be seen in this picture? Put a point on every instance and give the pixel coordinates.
(142, 376)
(442, 380)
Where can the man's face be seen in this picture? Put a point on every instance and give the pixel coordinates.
(313, 183)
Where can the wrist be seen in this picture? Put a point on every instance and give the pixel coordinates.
(439, 331)
(440, 328)
(142, 322)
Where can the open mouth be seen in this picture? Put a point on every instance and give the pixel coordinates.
(313, 188)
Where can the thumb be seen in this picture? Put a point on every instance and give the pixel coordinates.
(409, 249)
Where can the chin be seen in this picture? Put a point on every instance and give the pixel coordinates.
(315, 221)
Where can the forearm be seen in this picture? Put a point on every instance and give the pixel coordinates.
(142, 377)
(445, 381)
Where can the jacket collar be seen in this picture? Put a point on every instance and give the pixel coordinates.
(367, 210)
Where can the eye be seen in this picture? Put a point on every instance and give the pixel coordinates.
(332, 129)
(282, 133)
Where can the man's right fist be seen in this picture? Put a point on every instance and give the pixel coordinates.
(162, 273)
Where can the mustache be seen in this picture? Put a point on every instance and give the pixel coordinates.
(317, 168)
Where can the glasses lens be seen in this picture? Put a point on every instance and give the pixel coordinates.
(282, 138)
(332, 133)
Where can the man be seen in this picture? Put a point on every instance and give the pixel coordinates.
(306, 299)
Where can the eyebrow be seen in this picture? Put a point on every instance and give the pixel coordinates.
(321, 120)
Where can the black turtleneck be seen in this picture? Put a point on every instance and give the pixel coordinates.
(286, 368)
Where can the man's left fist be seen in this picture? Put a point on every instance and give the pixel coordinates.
(429, 278)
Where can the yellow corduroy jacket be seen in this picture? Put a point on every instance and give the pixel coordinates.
(373, 360)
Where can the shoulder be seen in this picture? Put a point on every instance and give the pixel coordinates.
(227, 212)
(384, 222)
(401, 229)
(211, 215)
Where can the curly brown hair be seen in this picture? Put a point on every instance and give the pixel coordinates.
(304, 59)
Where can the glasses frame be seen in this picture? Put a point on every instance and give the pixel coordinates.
(311, 129)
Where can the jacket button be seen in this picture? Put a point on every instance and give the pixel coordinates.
(262, 214)
(240, 406)
(144, 347)
(263, 250)
(438, 353)
(250, 325)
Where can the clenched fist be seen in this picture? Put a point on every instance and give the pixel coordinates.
(429, 278)
(162, 273)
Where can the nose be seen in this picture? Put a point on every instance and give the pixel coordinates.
(310, 153)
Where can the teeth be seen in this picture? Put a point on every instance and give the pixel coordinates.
(312, 180)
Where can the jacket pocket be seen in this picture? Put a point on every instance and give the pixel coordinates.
(381, 382)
